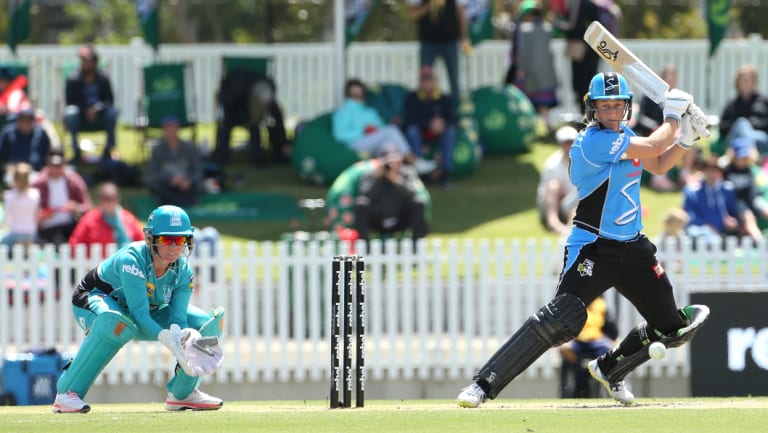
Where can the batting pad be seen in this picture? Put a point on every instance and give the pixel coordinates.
(204, 354)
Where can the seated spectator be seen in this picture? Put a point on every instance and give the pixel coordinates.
(430, 117)
(24, 141)
(107, 223)
(387, 201)
(362, 130)
(714, 210)
(740, 171)
(63, 199)
(556, 196)
(595, 339)
(89, 102)
(673, 227)
(747, 114)
(21, 204)
(174, 173)
(249, 99)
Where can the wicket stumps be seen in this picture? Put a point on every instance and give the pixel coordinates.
(347, 312)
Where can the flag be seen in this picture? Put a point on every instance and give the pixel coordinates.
(479, 20)
(357, 12)
(18, 26)
(150, 23)
(718, 17)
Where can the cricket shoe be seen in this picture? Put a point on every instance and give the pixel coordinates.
(617, 390)
(472, 396)
(70, 402)
(197, 400)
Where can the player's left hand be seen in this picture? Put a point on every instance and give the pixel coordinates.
(698, 120)
(204, 354)
(676, 103)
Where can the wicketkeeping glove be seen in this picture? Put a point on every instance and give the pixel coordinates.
(676, 103)
(171, 338)
(205, 354)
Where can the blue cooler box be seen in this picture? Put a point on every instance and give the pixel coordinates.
(31, 377)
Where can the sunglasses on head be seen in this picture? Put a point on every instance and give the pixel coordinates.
(171, 240)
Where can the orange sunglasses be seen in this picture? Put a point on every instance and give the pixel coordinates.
(171, 240)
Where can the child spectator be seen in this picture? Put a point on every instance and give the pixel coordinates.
(21, 204)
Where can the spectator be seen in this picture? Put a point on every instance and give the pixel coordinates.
(249, 98)
(361, 128)
(89, 102)
(650, 117)
(746, 115)
(584, 61)
(556, 196)
(534, 68)
(673, 227)
(740, 171)
(174, 173)
(12, 95)
(21, 204)
(387, 201)
(714, 210)
(442, 27)
(63, 199)
(595, 339)
(24, 141)
(107, 223)
(430, 116)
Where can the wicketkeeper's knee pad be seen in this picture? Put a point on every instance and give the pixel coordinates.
(108, 333)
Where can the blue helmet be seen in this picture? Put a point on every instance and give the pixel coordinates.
(169, 220)
(607, 86)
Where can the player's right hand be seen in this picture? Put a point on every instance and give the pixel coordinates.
(676, 103)
(698, 120)
(171, 338)
(688, 133)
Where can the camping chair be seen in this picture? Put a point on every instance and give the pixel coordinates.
(167, 92)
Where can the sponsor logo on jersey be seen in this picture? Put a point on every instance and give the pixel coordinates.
(150, 289)
(167, 293)
(616, 144)
(585, 268)
(133, 270)
(636, 162)
(658, 269)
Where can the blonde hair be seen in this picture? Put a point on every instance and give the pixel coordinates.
(22, 173)
(748, 70)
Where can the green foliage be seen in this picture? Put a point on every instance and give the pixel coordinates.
(110, 22)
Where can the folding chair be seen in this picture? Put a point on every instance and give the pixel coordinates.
(167, 92)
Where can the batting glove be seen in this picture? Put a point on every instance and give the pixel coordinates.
(698, 120)
(688, 133)
(171, 338)
(676, 103)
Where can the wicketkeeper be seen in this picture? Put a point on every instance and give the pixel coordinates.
(142, 292)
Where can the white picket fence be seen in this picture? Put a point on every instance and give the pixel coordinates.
(308, 80)
(432, 316)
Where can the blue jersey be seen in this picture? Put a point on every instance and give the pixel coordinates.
(130, 275)
(608, 186)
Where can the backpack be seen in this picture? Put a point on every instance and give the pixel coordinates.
(609, 15)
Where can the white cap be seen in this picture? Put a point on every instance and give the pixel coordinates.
(566, 133)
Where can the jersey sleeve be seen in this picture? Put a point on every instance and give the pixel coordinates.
(133, 280)
(603, 146)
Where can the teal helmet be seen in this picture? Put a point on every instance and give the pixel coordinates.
(169, 220)
(607, 86)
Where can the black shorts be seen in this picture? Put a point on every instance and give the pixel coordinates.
(632, 268)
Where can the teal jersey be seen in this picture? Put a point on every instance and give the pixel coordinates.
(138, 291)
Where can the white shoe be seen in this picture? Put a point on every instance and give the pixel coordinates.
(197, 400)
(70, 402)
(424, 166)
(472, 396)
(617, 390)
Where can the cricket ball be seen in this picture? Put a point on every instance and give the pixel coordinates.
(657, 350)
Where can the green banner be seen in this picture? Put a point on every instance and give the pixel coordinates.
(18, 25)
(147, 11)
(718, 17)
(479, 20)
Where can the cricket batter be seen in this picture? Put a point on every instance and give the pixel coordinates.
(142, 292)
(606, 247)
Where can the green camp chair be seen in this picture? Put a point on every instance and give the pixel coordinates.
(167, 92)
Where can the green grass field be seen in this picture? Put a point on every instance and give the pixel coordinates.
(498, 200)
(686, 415)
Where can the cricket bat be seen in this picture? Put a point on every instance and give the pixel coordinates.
(622, 60)
(625, 62)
